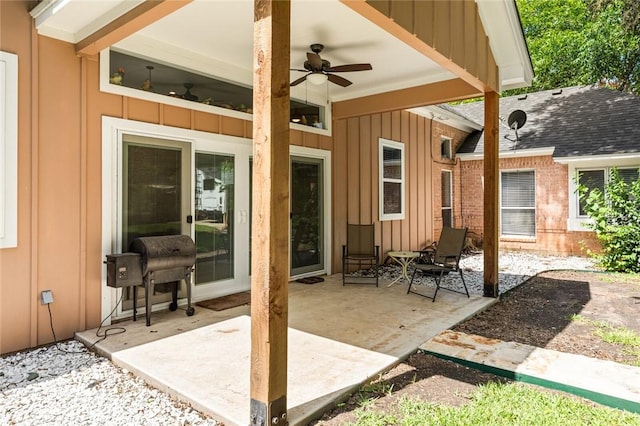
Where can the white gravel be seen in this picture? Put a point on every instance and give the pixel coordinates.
(66, 384)
(514, 269)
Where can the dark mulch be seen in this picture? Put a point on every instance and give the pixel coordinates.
(560, 310)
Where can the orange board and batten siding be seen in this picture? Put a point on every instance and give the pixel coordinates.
(356, 178)
(440, 30)
(60, 179)
(60, 112)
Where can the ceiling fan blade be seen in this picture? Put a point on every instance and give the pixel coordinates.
(338, 80)
(298, 81)
(351, 67)
(315, 60)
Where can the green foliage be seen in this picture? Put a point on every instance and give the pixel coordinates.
(577, 42)
(614, 48)
(615, 218)
(630, 12)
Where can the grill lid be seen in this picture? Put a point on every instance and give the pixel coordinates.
(164, 252)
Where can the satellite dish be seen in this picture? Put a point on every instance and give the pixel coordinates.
(517, 119)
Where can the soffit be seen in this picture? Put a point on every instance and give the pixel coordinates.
(216, 37)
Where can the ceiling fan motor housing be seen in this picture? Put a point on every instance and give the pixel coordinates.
(325, 66)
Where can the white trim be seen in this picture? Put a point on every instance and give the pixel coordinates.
(63, 29)
(533, 152)
(574, 221)
(112, 130)
(325, 156)
(382, 143)
(449, 147)
(451, 195)
(602, 160)
(8, 150)
(501, 22)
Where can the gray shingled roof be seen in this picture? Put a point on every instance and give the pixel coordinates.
(577, 121)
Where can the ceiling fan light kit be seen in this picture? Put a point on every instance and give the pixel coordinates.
(316, 78)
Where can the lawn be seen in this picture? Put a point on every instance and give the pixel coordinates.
(496, 404)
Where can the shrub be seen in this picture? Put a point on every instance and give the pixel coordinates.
(615, 218)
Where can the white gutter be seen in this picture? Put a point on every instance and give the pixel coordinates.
(517, 153)
(598, 158)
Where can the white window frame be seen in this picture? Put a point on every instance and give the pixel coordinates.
(575, 165)
(442, 206)
(382, 144)
(605, 172)
(203, 66)
(446, 148)
(534, 208)
(8, 150)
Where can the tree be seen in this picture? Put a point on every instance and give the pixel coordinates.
(629, 10)
(576, 42)
(614, 44)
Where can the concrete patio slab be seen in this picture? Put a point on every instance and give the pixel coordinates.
(339, 337)
(216, 381)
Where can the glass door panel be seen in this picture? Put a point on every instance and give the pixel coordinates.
(307, 220)
(214, 224)
(154, 198)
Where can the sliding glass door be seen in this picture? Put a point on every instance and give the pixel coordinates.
(307, 218)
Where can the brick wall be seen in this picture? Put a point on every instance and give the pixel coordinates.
(552, 207)
(440, 164)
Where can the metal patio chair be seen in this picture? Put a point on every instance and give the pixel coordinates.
(360, 250)
(445, 259)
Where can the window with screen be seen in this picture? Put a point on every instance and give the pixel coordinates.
(592, 179)
(518, 203)
(447, 197)
(391, 158)
(445, 148)
(629, 175)
(598, 179)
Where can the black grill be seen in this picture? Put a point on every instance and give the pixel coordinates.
(154, 260)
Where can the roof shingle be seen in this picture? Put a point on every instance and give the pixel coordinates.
(577, 121)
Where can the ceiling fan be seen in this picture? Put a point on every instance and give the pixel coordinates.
(319, 70)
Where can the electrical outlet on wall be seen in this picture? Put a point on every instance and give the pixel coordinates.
(46, 297)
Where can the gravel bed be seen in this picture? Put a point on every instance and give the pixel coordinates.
(66, 384)
(515, 268)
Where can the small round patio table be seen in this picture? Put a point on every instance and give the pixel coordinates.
(404, 259)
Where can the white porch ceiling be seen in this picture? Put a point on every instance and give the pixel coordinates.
(215, 37)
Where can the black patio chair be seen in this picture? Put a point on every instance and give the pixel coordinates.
(360, 250)
(445, 259)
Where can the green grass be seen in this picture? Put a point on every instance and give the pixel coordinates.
(618, 277)
(498, 404)
(629, 339)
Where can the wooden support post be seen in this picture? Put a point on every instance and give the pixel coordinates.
(270, 214)
(491, 179)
